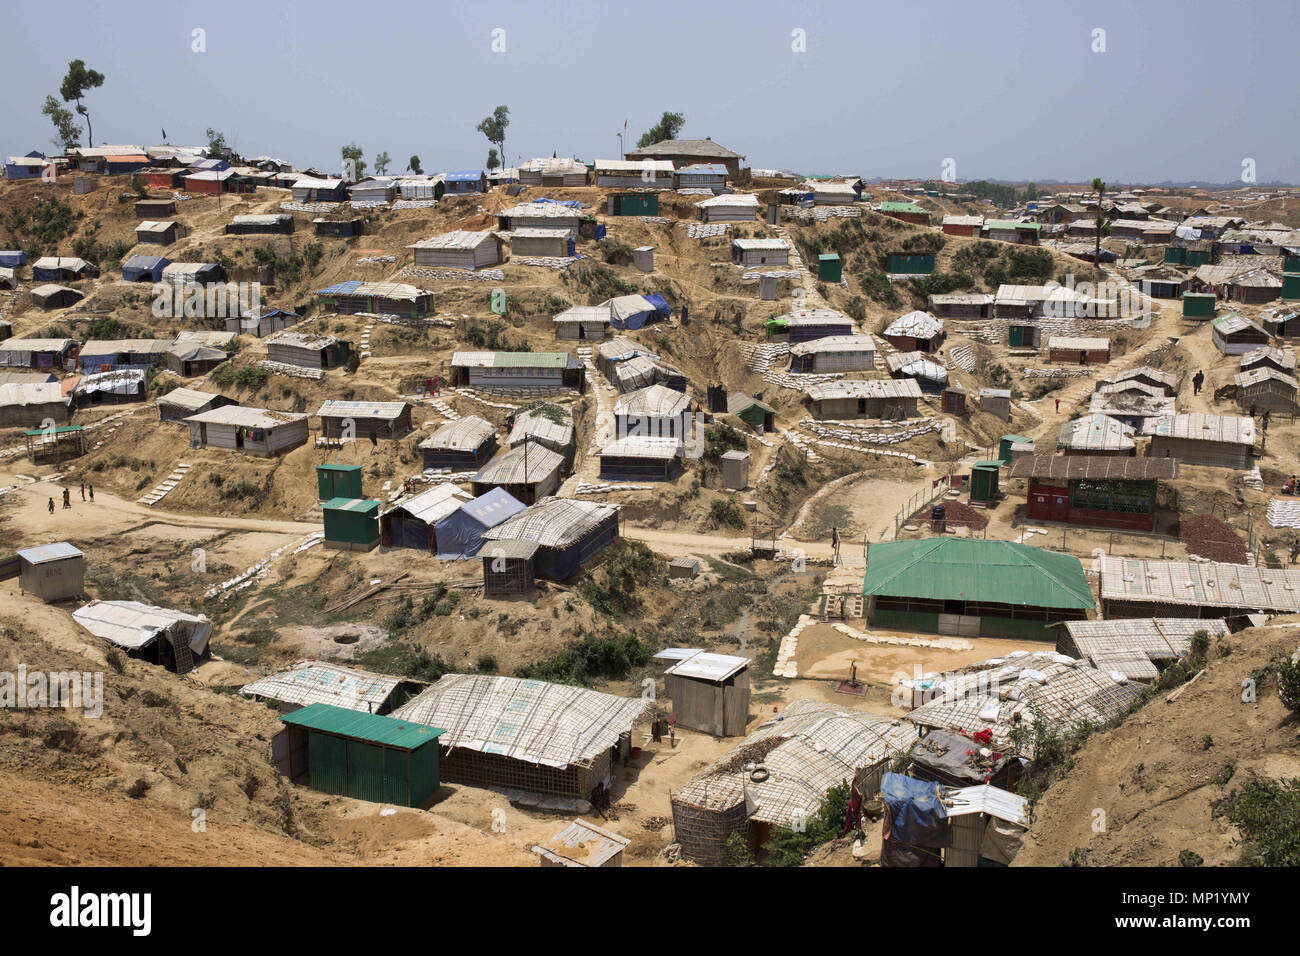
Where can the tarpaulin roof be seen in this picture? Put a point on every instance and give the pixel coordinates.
(995, 572)
(916, 811)
(460, 532)
(133, 625)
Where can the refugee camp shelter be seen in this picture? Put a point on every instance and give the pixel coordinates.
(653, 412)
(465, 181)
(52, 296)
(987, 825)
(62, 269)
(1005, 694)
(536, 242)
(517, 370)
(637, 458)
(410, 523)
(144, 268)
(1281, 360)
(973, 587)
(800, 754)
(31, 403)
(1265, 389)
(760, 252)
(364, 756)
(996, 401)
(915, 332)
(806, 325)
(508, 568)
(260, 432)
(1138, 648)
(833, 353)
(37, 353)
(157, 635)
(541, 214)
(262, 321)
(961, 305)
(366, 420)
(379, 298)
(178, 405)
(157, 232)
(752, 411)
(550, 426)
(1078, 350)
(309, 189)
(690, 152)
(729, 207)
(460, 249)
(351, 524)
(459, 530)
(582, 322)
(1220, 441)
(1096, 492)
(929, 374)
(1131, 587)
(958, 225)
(109, 388)
(466, 444)
(906, 212)
(553, 171)
(583, 844)
(569, 533)
(1234, 335)
(634, 173)
(710, 692)
(712, 176)
(323, 682)
(307, 350)
(52, 572)
(527, 736)
(276, 224)
(634, 311)
(1097, 434)
(529, 472)
(888, 398)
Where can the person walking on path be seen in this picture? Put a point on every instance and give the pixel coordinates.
(83, 491)
(92, 494)
(51, 506)
(67, 497)
(1295, 549)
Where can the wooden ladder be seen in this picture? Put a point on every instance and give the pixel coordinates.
(184, 656)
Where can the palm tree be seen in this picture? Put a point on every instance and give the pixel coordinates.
(1100, 189)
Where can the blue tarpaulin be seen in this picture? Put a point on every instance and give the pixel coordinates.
(916, 811)
(460, 534)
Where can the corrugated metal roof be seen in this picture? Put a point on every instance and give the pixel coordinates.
(1098, 467)
(553, 725)
(311, 681)
(553, 522)
(58, 551)
(246, 417)
(513, 360)
(460, 239)
(708, 666)
(582, 844)
(372, 728)
(657, 401)
(1237, 429)
(133, 625)
(996, 572)
(1207, 584)
(523, 465)
(338, 409)
(464, 434)
(433, 505)
(884, 388)
(1096, 432)
(358, 505)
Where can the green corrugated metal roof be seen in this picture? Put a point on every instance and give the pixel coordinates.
(900, 207)
(829, 257)
(59, 430)
(997, 572)
(1012, 224)
(329, 467)
(351, 504)
(374, 728)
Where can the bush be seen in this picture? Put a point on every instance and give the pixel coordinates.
(790, 847)
(725, 513)
(590, 659)
(1267, 813)
(1288, 684)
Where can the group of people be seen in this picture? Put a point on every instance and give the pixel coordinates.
(67, 496)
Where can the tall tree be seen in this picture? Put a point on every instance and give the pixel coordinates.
(353, 151)
(65, 126)
(669, 125)
(216, 143)
(413, 166)
(1100, 189)
(494, 128)
(492, 161)
(76, 85)
(381, 163)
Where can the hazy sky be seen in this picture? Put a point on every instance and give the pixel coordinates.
(1010, 90)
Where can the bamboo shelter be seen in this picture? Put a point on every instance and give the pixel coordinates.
(526, 736)
(780, 773)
